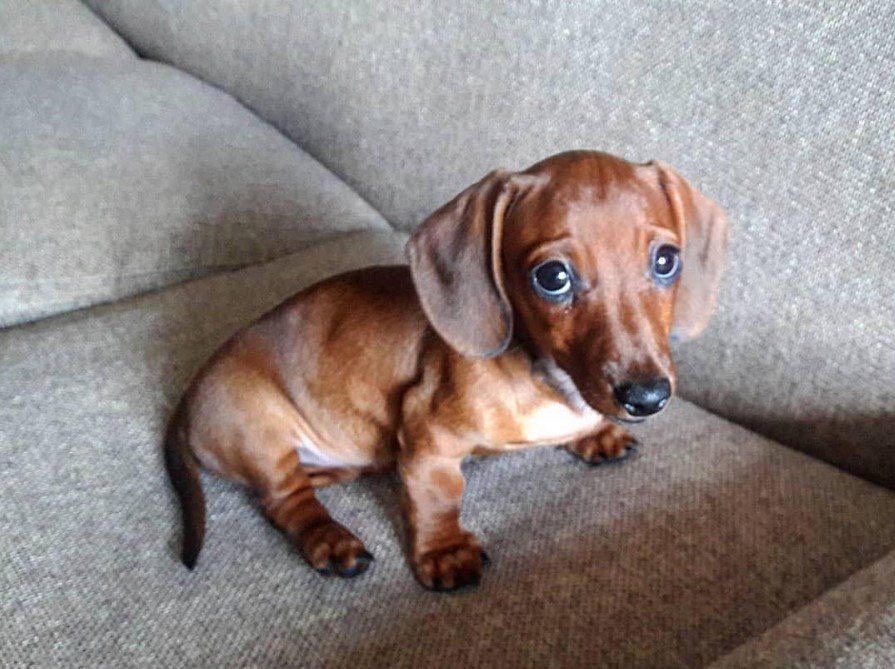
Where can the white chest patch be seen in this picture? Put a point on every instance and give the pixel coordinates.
(310, 456)
(555, 422)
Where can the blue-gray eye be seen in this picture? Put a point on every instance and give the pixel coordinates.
(552, 280)
(666, 264)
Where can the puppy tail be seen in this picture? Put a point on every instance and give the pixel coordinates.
(183, 470)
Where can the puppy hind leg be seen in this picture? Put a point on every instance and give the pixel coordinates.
(251, 435)
(288, 500)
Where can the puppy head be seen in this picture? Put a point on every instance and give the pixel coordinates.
(588, 261)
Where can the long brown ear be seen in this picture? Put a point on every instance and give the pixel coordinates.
(703, 230)
(455, 263)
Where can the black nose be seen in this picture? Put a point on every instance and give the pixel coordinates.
(642, 398)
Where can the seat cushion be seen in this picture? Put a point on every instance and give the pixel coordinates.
(852, 625)
(783, 112)
(710, 536)
(121, 176)
(39, 26)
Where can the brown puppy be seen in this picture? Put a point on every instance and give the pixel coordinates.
(536, 305)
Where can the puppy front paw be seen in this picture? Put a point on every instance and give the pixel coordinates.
(610, 443)
(451, 567)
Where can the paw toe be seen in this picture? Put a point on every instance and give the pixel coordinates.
(354, 566)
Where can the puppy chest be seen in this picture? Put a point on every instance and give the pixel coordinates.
(551, 423)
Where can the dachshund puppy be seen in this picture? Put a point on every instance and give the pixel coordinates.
(537, 304)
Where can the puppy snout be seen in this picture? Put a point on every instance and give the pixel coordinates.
(643, 398)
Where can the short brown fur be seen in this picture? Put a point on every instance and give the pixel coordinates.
(423, 366)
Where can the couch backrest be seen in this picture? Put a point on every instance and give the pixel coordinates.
(120, 175)
(781, 111)
(28, 27)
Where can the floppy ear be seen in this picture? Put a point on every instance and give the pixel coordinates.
(702, 227)
(455, 263)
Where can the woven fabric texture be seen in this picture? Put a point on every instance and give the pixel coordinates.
(853, 625)
(41, 26)
(122, 176)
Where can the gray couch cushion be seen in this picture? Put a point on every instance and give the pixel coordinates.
(852, 625)
(29, 26)
(121, 176)
(712, 535)
(781, 111)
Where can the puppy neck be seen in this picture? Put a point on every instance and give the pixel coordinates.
(546, 370)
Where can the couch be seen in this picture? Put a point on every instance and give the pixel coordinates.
(171, 169)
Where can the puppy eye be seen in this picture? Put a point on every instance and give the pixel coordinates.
(552, 280)
(666, 264)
